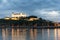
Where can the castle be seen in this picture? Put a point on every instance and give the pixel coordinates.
(16, 16)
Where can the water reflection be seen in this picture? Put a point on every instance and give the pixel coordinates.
(30, 34)
(17, 34)
(6, 34)
(33, 34)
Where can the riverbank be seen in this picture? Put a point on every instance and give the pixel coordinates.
(31, 27)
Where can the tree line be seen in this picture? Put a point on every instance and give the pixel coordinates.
(23, 21)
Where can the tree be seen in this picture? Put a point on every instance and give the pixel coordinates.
(32, 16)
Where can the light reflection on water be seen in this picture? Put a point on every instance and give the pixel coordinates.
(29, 34)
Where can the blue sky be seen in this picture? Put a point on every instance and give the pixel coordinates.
(47, 9)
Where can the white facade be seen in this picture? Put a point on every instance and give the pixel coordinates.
(18, 15)
(7, 18)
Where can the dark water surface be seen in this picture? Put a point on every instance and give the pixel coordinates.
(29, 34)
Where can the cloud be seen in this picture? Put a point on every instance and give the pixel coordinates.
(7, 13)
(17, 4)
(43, 8)
(29, 4)
(4, 1)
(48, 14)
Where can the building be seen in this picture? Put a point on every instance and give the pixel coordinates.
(6, 18)
(58, 24)
(18, 15)
(14, 18)
(32, 19)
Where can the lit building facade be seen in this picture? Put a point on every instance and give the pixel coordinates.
(7, 18)
(18, 15)
(32, 19)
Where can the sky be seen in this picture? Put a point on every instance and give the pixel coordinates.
(46, 9)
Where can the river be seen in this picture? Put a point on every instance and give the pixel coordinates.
(29, 34)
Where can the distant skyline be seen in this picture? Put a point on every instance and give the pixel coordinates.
(46, 9)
